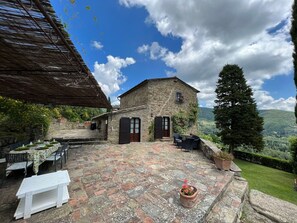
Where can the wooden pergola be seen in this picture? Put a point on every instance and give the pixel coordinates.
(38, 61)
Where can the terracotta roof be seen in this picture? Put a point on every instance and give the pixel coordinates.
(156, 79)
(38, 61)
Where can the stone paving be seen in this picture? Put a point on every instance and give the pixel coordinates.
(137, 182)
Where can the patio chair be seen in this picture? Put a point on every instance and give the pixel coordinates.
(17, 162)
(66, 150)
(188, 144)
(177, 139)
(57, 156)
(197, 141)
(3, 171)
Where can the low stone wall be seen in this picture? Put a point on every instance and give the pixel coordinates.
(64, 124)
(208, 148)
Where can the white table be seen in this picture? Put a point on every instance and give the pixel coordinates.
(41, 192)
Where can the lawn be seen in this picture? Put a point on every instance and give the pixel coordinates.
(268, 180)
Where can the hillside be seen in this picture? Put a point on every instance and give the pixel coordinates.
(276, 122)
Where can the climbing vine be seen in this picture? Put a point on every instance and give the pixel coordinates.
(183, 120)
(151, 130)
(193, 112)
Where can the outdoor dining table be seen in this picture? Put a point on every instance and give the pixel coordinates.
(37, 154)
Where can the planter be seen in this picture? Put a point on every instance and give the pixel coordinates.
(222, 164)
(188, 201)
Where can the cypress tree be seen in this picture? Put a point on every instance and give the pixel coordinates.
(294, 40)
(236, 115)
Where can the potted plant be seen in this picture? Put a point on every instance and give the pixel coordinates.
(188, 195)
(223, 160)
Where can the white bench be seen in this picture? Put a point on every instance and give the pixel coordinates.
(41, 192)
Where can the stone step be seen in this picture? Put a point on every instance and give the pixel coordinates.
(76, 139)
(91, 142)
(228, 208)
(166, 139)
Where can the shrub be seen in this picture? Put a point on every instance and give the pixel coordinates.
(293, 150)
(264, 160)
(224, 155)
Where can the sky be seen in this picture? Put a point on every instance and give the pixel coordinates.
(124, 42)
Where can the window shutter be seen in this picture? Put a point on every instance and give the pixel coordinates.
(124, 133)
(158, 128)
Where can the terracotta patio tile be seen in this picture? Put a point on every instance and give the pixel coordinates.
(128, 186)
(148, 220)
(112, 190)
(76, 215)
(98, 193)
(130, 183)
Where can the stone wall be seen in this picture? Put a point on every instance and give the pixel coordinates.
(101, 126)
(64, 124)
(136, 112)
(135, 98)
(208, 148)
(162, 99)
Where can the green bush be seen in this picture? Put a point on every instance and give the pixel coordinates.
(293, 150)
(151, 130)
(264, 160)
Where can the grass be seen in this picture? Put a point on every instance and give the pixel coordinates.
(271, 181)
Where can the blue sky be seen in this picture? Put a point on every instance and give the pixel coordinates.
(124, 42)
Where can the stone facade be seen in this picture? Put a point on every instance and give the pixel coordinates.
(149, 99)
(137, 97)
(137, 112)
(162, 99)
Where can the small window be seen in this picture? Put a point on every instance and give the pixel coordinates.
(179, 97)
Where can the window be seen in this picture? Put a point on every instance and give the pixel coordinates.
(179, 97)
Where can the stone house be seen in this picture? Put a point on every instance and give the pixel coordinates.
(146, 111)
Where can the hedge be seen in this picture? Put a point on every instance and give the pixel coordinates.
(264, 160)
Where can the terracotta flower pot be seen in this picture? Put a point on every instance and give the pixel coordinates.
(222, 164)
(188, 201)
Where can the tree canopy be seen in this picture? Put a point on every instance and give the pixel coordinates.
(34, 119)
(294, 40)
(236, 115)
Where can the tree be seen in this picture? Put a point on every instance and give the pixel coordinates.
(293, 150)
(109, 110)
(236, 115)
(294, 40)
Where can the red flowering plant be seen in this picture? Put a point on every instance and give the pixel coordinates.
(187, 189)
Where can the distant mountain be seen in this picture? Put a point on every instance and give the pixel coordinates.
(276, 122)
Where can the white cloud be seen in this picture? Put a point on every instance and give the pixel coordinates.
(109, 75)
(143, 49)
(97, 45)
(155, 50)
(215, 33)
(265, 101)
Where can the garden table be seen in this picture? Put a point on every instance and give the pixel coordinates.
(38, 156)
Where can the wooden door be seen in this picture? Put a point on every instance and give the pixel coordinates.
(135, 130)
(165, 127)
(158, 128)
(124, 133)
